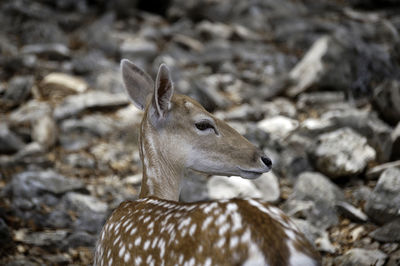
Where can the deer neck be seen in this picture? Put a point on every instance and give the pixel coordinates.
(162, 174)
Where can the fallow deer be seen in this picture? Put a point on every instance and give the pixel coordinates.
(178, 133)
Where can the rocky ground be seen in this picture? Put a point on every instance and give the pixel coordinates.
(316, 84)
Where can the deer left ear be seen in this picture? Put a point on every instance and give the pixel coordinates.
(163, 91)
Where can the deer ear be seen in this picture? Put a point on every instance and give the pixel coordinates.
(138, 84)
(164, 90)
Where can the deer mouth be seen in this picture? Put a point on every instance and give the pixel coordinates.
(251, 173)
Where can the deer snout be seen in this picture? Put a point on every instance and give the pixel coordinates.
(267, 161)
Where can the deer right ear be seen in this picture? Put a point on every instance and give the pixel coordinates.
(138, 84)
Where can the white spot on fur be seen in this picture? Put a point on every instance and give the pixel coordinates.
(192, 229)
(234, 241)
(208, 262)
(138, 240)
(121, 251)
(206, 222)
(146, 244)
(127, 257)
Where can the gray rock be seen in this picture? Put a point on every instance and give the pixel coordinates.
(389, 232)
(279, 107)
(18, 89)
(58, 259)
(376, 171)
(318, 237)
(321, 67)
(42, 32)
(79, 239)
(320, 101)
(85, 203)
(44, 132)
(79, 160)
(75, 104)
(351, 212)
(314, 197)
(31, 184)
(91, 212)
(30, 112)
(396, 142)
(73, 141)
(366, 123)
(96, 125)
(9, 141)
(98, 35)
(361, 257)
(384, 203)
(394, 259)
(342, 153)
(244, 112)
(139, 48)
(49, 239)
(386, 98)
(208, 94)
(278, 127)
(53, 51)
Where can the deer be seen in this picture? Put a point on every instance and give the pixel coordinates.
(177, 133)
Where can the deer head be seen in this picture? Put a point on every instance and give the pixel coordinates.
(178, 133)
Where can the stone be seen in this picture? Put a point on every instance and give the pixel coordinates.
(315, 186)
(29, 113)
(314, 197)
(52, 51)
(9, 141)
(376, 171)
(79, 239)
(320, 101)
(396, 142)
(58, 85)
(394, 259)
(44, 132)
(18, 90)
(75, 104)
(268, 185)
(361, 257)
(79, 160)
(389, 232)
(83, 203)
(138, 47)
(30, 184)
(96, 125)
(208, 94)
(321, 67)
(279, 107)
(221, 187)
(386, 99)
(49, 239)
(342, 153)
(278, 127)
(349, 211)
(365, 123)
(384, 203)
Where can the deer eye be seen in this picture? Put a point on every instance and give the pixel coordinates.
(204, 125)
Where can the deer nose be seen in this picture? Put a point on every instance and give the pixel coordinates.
(267, 161)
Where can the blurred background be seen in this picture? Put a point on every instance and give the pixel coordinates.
(316, 84)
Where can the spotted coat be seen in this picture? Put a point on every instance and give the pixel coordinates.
(151, 231)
